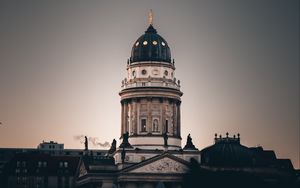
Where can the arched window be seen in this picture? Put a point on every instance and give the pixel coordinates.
(143, 125)
(155, 125)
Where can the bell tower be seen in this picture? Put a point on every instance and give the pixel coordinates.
(150, 95)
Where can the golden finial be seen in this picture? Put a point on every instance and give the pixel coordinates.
(150, 17)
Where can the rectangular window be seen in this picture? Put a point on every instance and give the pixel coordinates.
(143, 125)
(167, 126)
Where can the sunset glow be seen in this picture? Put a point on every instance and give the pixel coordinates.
(62, 63)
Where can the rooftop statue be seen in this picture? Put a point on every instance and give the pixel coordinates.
(86, 143)
(189, 144)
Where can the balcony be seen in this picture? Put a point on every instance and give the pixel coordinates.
(173, 85)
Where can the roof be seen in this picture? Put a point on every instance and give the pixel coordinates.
(42, 164)
(150, 47)
(228, 152)
(99, 164)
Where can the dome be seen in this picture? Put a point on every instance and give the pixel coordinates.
(227, 152)
(150, 47)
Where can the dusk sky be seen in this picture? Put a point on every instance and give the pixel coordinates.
(62, 62)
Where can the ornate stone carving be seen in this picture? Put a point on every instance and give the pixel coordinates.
(165, 165)
(82, 170)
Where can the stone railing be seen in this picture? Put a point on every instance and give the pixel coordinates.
(227, 138)
(150, 84)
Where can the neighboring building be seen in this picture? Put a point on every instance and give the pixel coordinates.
(28, 170)
(7, 154)
(54, 148)
(51, 147)
(228, 157)
(97, 172)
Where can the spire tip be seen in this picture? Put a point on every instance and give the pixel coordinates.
(150, 17)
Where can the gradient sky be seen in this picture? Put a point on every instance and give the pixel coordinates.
(62, 62)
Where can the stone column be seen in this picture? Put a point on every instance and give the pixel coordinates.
(149, 116)
(122, 117)
(178, 119)
(163, 117)
(137, 118)
(134, 115)
(129, 117)
(175, 119)
(160, 127)
(125, 117)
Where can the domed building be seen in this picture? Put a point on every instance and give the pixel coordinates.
(150, 95)
(228, 163)
(228, 152)
(150, 152)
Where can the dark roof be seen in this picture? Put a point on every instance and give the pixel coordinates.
(103, 160)
(103, 164)
(150, 47)
(227, 153)
(285, 164)
(37, 164)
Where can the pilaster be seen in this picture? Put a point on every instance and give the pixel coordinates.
(175, 131)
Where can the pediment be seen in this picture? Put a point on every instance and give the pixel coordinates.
(164, 165)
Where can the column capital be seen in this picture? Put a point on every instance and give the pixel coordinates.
(125, 101)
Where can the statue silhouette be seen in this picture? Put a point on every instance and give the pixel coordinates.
(189, 144)
(125, 143)
(113, 147)
(86, 143)
(165, 139)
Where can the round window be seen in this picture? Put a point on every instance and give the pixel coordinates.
(163, 43)
(145, 43)
(166, 73)
(133, 73)
(144, 72)
(154, 43)
(137, 43)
